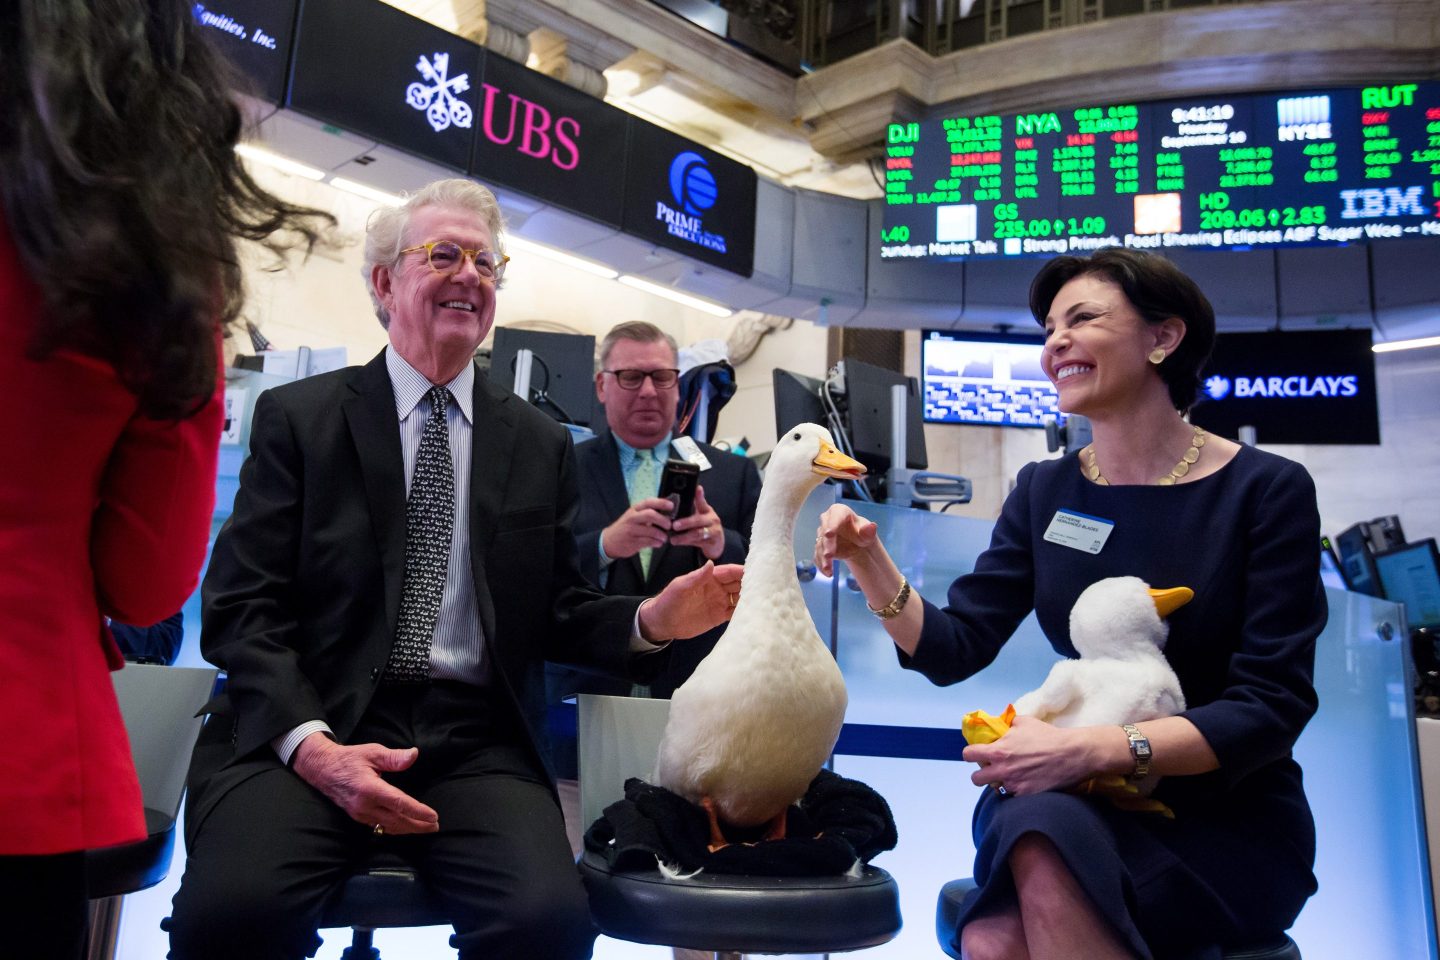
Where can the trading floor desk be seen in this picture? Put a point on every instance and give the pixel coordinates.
(1358, 754)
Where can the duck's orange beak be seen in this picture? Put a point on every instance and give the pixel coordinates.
(830, 462)
(1170, 600)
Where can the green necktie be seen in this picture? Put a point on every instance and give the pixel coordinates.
(644, 484)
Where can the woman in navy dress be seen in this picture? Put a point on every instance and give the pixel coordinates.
(1062, 875)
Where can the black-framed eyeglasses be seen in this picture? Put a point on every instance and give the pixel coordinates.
(664, 378)
(446, 257)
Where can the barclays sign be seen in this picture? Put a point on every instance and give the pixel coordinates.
(1255, 380)
(1218, 387)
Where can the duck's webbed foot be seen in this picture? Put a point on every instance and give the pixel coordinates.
(775, 829)
(717, 836)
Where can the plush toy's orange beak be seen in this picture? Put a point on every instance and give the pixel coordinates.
(977, 726)
(1168, 601)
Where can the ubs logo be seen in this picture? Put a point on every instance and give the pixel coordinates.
(692, 184)
(440, 99)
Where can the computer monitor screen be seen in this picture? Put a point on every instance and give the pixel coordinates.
(1356, 560)
(986, 378)
(1411, 576)
(564, 370)
(797, 400)
(1330, 573)
(867, 389)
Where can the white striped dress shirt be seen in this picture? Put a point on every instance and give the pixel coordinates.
(455, 648)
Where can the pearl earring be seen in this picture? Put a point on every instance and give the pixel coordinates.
(1157, 356)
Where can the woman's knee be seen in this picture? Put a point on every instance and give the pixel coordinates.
(1036, 852)
(998, 936)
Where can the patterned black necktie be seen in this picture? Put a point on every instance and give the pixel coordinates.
(429, 523)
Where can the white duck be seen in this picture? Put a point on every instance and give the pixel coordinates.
(1117, 626)
(760, 715)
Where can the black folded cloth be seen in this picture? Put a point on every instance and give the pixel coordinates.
(837, 822)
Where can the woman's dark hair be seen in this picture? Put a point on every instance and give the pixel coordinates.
(1158, 290)
(121, 189)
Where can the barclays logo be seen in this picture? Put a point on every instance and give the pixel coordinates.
(692, 184)
(1218, 387)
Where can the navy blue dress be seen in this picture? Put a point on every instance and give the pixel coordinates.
(1236, 862)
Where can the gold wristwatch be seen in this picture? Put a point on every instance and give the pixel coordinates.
(1139, 750)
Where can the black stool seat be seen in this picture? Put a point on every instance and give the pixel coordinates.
(947, 912)
(113, 871)
(384, 892)
(723, 913)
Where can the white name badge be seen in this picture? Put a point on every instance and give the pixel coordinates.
(688, 450)
(1079, 531)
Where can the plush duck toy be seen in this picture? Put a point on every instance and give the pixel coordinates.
(1117, 626)
(760, 715)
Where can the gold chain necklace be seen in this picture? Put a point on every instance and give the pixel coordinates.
(1092, 469)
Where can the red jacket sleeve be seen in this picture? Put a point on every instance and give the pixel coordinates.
(152, 521)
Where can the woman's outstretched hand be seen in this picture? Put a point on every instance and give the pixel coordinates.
(843, 535)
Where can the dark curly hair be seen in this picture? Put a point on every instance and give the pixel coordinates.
(121, 188)
(1158, 290)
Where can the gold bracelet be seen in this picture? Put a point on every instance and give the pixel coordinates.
(892, 609)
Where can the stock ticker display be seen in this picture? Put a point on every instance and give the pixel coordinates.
(1256, 170)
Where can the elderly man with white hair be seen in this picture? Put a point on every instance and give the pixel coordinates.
(399, 562)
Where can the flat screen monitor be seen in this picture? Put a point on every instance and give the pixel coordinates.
(986, 378)
(1293, 387)
(1331, 575)
(797, 400)
(379, 72)
(1357, 561)
(867, 389)
(255, 36)
(684, 197)
(550, 140)
(1264, 170)
(563, 373)
(1411, 576)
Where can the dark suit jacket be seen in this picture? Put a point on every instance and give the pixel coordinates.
(732, 488)
(303, 589)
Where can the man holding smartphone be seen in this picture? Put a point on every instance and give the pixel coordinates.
(629, 541)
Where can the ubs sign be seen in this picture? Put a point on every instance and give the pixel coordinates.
(549, 140)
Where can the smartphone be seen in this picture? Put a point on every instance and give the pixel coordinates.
(677, 484)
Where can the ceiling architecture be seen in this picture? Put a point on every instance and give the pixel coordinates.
(659, 66)
(820, 130)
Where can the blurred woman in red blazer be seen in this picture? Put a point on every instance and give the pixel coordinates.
(121, 200)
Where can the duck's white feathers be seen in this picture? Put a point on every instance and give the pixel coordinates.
(760, 715)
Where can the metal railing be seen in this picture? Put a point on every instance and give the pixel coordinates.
(832, 30)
